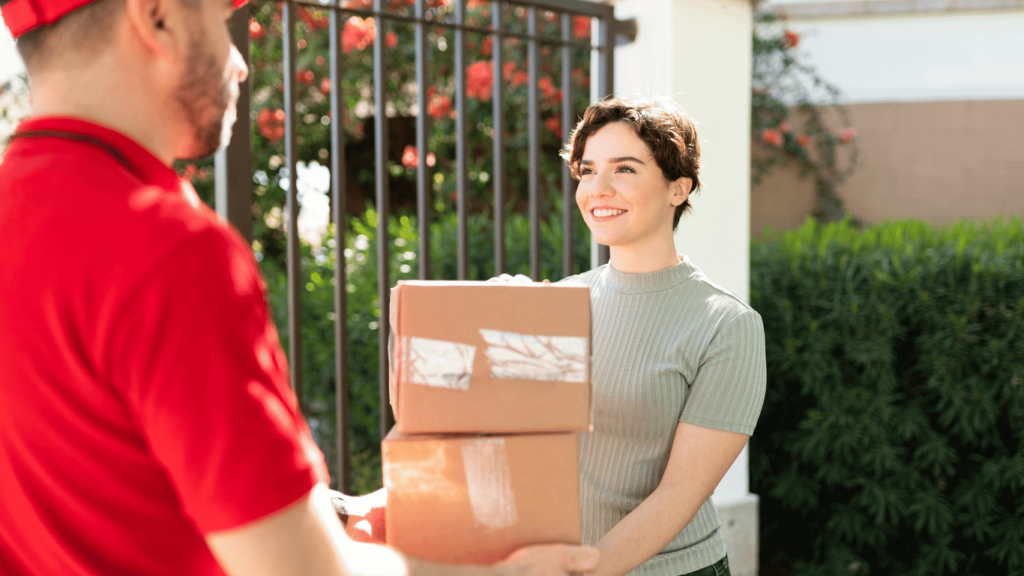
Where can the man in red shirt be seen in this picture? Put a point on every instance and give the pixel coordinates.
(146, 423)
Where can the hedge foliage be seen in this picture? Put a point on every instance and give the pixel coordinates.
(892, 436)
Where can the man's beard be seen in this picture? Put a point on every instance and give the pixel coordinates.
(205, 96)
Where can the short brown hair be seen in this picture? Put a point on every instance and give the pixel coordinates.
(666, 129)
(87, 28)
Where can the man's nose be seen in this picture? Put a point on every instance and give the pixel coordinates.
(238, 61)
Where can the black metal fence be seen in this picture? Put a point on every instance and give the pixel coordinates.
(234, 165)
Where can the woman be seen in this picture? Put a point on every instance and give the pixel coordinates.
(678, 369)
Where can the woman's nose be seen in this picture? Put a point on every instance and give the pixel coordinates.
(600, 186)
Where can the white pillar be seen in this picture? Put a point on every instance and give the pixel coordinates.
(698, 52)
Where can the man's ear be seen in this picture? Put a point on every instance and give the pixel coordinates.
(680, 190)
(155, 24)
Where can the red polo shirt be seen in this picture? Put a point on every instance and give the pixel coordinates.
(144, 398)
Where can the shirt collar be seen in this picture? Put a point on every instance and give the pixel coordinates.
(145, 166)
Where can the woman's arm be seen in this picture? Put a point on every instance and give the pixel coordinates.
(699, 458)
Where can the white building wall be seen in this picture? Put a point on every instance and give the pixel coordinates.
(912, 56)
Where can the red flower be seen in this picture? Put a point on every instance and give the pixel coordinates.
(548, 90)
(581, 27)
(803, 140)
(410, 157)
(437, 3)
(439, 105)
(305, 77)
(555, 125)
(790, 39)
(772, 137)
(848, 135)
(256, 31)
(508, 69)
(479, 80)
(431, 159)
(475, 4)
(391, 39)
(486, 45)
(314, 20)
(189, 173)
(271, 124)
(357, 34)
(325, 86)
(520, 78)
(785, 128)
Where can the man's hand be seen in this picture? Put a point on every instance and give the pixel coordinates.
(550, 560)
(363, 515)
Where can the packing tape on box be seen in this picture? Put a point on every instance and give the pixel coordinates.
(533, 357)
(489, 482)
(438, 363)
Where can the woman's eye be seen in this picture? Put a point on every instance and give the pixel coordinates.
(626, 169)
(585, 171)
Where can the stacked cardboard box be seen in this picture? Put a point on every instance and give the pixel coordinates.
(489, 385)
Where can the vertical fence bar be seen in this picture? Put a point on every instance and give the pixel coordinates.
(461, 179)
(533, 149)
(568, 118)
(292, 205)
(498, 112)
(338, 211)
(233, 164)
(380, 129)
(423, 194)
(605, 78)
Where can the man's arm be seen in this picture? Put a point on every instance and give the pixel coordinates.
(307, 539)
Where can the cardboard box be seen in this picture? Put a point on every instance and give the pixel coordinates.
(481, 357)
(476, 499)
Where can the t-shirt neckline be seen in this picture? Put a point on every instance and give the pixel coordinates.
(664, 279)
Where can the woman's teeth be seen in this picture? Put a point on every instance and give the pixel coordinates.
(606, 212)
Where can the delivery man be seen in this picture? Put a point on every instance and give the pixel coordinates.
(146, 422)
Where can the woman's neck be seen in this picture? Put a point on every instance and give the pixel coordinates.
(642, 257)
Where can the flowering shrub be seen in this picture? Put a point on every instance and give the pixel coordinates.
(796, 118)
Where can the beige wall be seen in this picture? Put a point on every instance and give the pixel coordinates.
(935, 161)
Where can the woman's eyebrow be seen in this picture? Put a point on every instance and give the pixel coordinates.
(586, 162)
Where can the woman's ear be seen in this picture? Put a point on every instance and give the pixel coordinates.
(680, 190)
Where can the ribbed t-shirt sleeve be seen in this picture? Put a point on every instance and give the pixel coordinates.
(728, 389)
(199, 364)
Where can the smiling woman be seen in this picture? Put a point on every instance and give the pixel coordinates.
(678, 368)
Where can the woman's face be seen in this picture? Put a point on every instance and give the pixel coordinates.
(623, 194)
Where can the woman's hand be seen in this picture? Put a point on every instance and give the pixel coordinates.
(550, 560)
(517, 279)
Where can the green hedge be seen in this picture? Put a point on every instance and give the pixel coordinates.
(892, 436)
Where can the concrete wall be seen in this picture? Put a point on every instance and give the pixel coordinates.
(935, 161)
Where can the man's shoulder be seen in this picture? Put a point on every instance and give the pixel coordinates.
(95, 212)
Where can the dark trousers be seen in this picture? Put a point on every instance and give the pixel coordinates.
(720, 568)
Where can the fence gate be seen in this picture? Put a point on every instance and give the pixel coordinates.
(234, 165)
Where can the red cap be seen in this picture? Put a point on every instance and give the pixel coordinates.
(24, 15)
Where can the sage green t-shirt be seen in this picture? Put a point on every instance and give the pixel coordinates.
(668, 347)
